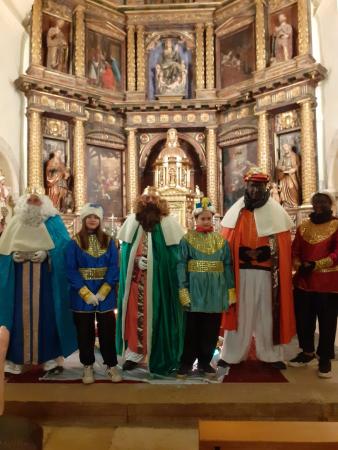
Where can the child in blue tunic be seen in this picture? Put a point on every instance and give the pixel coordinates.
(93, 272)
(206, 289)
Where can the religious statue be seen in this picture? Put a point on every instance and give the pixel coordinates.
(56, 180)
(288, 175)
(171, 71)
(57, 45)
(4, 190)
(282, 45)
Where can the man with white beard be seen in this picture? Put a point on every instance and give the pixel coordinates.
(34, 293)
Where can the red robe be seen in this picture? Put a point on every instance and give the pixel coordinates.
(245, 234)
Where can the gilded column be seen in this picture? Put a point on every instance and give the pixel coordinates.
(200, 56)
(35, 159)
(210, 57)
(140, 59)
(132, 169)
(212, 166)
(80, 182)
(304, 38)
(131, 58)
(308, 139)
(260, 35)
(79, 56)
(36, 34)
(263, 151)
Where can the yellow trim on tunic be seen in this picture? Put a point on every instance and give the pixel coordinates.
(93, 273)
(314, 233)
(94, 248)
(201, 265)
(184, 296)
(323, 263)
(104, 290)
(207, 243)
(85, 293)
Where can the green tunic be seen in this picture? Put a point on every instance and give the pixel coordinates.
(210, 285)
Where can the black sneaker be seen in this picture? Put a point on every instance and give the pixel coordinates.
(302, 359)
(129, 365)
(222, 363)
(183, 372)
(324, 369)
(279, 365)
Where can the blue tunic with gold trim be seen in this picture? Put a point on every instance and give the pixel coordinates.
(93, 270)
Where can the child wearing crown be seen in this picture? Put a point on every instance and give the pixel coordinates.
(206, 289)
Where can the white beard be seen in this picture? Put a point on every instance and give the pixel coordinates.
(31, 215)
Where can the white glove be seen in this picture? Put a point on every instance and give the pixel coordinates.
(39, 256)
(18, 257)
(92, 300)
(100, 298)
(142, 263)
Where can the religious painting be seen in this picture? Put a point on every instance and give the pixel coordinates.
(283, 34)
(169, 68)
(56, 43)
(104, 61)
(104, 179)
(236, 161)
(236, 56)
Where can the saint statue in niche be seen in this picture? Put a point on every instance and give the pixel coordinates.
(56, 178)
(171, 71)
(282, 46)
(288, 177)
(57, 48)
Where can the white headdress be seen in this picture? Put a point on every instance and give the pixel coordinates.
(91, 208)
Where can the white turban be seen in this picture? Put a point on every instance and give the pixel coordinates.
(91, 208)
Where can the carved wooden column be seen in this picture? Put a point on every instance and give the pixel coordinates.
(80, 179)
(35, 158)
(308, 139)
(260, 35)
(131, 58)
(210, 57)
(200, 74)
(212, 167)
(79, 55)
(36, 34)
(132, 164)
(304, 38)
(140, 59)
(263, 150)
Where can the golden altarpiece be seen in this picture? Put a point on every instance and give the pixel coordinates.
(182, 95)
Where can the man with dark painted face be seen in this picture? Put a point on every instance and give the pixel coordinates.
(258, 231)
(315, 255)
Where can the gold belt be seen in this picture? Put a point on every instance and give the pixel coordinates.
(200, 265)
(93, 273)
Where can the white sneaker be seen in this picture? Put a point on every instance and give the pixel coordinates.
(52, 363)
(88, 375)
(15, 369)
(114, 374)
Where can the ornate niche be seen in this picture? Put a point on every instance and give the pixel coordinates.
(287, 159)
(283, 31)
(169, 65)
(105, 56)
(57, 163)
(105, 162)
(57, 37)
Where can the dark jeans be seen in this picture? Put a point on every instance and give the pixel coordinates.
(85, 327)
(201, 335)
(310, 306)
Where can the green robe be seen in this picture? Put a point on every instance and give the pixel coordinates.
(167, 314)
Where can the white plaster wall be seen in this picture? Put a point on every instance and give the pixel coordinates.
(326, 17)
(14, 51)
